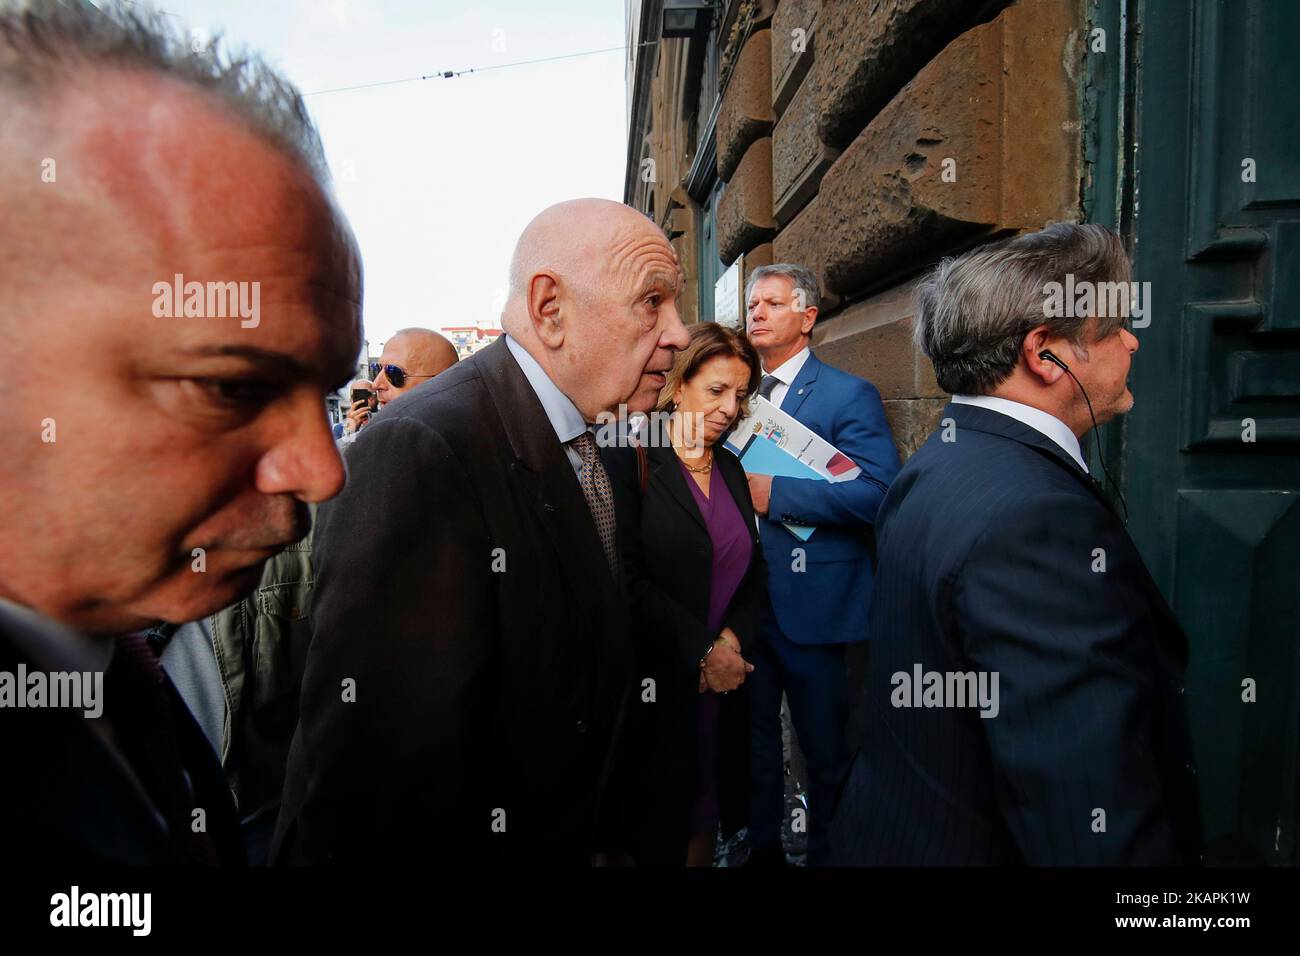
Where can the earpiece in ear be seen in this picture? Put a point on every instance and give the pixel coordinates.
(1047, 356)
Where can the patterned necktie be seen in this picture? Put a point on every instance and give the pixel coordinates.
(768, 386)
(141, 713)
(600, 496)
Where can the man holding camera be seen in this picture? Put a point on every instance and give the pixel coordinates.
(361, 395)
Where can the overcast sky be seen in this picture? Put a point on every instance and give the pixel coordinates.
(438, 177)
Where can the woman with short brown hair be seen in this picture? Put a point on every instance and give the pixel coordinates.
(700, 586)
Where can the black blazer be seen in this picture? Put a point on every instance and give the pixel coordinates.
(461, 585)
(990, 560)
(71, 798)
(669, 563)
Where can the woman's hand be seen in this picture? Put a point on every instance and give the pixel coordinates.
(724, 669)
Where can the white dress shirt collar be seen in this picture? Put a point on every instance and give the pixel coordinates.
(1035, 418)
(787, 370)
(560, 410)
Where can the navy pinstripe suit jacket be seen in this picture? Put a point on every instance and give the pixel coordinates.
(999, 555)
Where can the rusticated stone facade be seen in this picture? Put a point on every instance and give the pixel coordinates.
(868, 50)
(745, 114)
(885, 135)
(745, 213)
(960, 151)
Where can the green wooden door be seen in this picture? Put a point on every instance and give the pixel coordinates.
(710, 267)
(1209, 185)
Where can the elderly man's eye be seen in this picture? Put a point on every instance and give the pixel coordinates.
(654, 301)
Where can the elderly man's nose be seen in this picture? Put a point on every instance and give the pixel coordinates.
(1130, 340)
(674, 335)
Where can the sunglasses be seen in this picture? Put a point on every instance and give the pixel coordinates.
(396, 374)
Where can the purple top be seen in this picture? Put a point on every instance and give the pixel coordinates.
(731, 552)
(731, 542)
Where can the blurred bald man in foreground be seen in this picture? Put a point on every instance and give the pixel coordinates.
(191, 440)
(469, 664)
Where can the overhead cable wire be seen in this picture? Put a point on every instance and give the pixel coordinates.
(451, 74)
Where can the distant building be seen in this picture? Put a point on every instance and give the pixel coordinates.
(468, 339)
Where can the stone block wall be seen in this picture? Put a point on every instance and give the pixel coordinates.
(887, 135)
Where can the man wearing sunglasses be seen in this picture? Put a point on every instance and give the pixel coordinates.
(410, 358)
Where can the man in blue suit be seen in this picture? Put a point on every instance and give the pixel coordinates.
(820, 588)
(1025, 704)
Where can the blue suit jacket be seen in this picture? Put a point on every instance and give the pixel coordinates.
(827, 601)
(1000, 555)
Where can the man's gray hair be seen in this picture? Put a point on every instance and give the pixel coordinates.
(802, 280)
(44, 42)
(974, 311)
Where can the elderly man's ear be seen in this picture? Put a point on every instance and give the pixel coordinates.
(544, 309)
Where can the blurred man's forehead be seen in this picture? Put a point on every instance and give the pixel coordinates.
(177, 163)
(189, 215)
(160, 165)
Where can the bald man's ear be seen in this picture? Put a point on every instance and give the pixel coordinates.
(544, 309)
